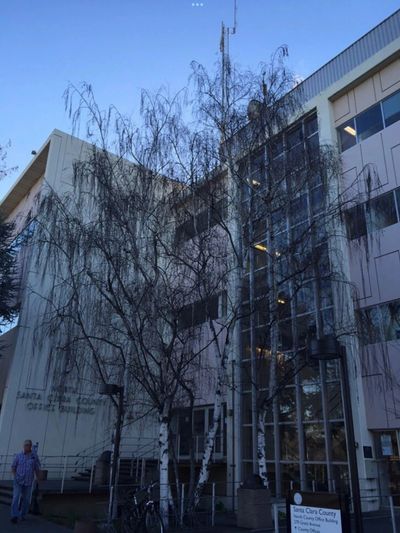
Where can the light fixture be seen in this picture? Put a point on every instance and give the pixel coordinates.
(281, 301)
(350, 130)
(260, 246)
(278, 254)
(255, 183)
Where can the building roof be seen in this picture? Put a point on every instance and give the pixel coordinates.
(355, 54)
(32, 173)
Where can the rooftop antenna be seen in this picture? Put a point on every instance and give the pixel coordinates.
(226, 31)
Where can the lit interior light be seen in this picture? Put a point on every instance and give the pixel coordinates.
(350, 130)
(260, 246)
(255, 183)
(281, 301)
(278, 254)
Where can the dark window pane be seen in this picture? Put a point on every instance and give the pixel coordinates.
(312, 402)
(392, 321)
(285, 335)
(334, 400)
(325, 290)
(369, 321)
(369, 122)
(296, 158)
(338, 436)
(314, 439)
(347, 135)
(305, 299)
(201, 222)
(185, 231)
(311, 125)
(287, 405)
(299, 209)
(289, 443)
(355, 221)
(317, 200)
(294, 137)
(391, 109)
(317, 477)
(304, 323)
(199, 313)
(277, 147)
(381, 212)
(313, 148)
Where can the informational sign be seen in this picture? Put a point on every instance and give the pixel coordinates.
(316, 512)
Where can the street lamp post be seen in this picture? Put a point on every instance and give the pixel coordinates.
(325, 349)
(109, 389)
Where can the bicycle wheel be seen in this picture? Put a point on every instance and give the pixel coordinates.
(153, 522)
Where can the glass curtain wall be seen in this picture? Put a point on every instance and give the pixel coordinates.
(305, 442)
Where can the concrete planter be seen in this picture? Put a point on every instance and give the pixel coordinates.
(254, 508)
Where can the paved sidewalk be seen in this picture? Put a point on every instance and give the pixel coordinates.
(33, 524)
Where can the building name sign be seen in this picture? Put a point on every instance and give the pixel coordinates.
(315, 519)
(316, 512)
(60, 403)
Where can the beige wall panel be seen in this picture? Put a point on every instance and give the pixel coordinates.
(390, 78)
(341, 107)
(365, 95)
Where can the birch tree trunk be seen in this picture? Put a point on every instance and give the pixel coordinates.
(210, 443)
(164, 460)
(261, 456)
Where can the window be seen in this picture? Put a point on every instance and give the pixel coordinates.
(314, 440)
(391, 109)
(369, 122)
(338, 442)
(294, 137)
(317, 200)
(380, 323)
(381, 212)
(299, 209)
(311, 401)
(277, 147)
(356, 223)
(347, 135)
(311, 125)
(391, 322)
(199, 312)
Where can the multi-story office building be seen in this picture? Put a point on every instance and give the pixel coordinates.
(352, 103)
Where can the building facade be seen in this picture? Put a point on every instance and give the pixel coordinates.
(352, 103)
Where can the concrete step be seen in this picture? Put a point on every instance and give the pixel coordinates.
(6, 493)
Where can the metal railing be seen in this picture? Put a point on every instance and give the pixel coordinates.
(199, 443)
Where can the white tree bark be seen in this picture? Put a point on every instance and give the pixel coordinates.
(210, 443)
(261, 456)
(164, 460)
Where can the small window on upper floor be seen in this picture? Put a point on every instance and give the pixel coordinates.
(369, 122)
(294, 137)
(381, 212)
(347, 135)
(311, 125)
(391, 109)
(356, 224)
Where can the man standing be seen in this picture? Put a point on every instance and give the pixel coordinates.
(24, 467)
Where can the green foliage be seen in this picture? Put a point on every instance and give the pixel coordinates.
(8, 281)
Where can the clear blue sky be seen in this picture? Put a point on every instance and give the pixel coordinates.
(121, 46)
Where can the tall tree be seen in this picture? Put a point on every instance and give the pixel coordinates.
(8, 279)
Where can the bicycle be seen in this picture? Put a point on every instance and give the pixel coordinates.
(140, 512)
